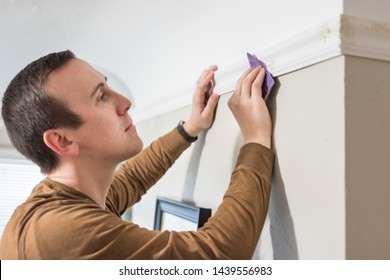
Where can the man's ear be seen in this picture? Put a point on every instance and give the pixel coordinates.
(56, 140)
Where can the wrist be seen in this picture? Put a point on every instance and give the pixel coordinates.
(191, 129)
(190, 137)
(265, 141)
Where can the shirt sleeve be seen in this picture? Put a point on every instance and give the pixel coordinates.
(237, 222)
(141, 172)
(240, 218)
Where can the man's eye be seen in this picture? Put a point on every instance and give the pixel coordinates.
(103, 96)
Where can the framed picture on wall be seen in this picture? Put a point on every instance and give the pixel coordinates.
(179, 216)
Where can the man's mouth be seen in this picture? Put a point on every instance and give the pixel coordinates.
(129, 126)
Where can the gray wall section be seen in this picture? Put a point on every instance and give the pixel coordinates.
(367, 158)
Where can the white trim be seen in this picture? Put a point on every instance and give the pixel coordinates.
(341, 35)
(365, 37)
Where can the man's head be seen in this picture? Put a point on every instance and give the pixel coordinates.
(28, 111)
(59, 107)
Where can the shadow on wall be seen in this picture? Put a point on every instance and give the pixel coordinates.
(282, 231)
(193, 169)
(193, 166)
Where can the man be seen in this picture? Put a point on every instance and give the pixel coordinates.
(61, 113)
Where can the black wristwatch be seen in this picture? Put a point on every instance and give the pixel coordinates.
(184, 133)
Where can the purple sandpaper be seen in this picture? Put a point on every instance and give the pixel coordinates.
(268, 80)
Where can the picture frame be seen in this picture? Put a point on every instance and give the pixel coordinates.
(179, 216)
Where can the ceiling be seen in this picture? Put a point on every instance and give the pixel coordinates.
(149, 48)
(152, 46)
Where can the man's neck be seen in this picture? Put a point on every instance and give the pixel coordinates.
(94, 181)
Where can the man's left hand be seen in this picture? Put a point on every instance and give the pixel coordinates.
(202, 114)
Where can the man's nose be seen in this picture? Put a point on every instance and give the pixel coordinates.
(124, 105)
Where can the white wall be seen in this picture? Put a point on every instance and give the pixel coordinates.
(307, 211)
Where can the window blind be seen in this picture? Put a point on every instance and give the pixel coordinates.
(17, 179)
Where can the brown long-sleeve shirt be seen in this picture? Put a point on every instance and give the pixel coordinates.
(59, 222)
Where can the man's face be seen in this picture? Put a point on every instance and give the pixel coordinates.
(108, 133)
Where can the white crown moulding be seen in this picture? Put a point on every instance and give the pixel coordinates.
(365, 37)
(341, 35)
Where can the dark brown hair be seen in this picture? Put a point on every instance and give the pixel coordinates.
(28, 111)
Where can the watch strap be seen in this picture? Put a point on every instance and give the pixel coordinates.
(184, 133)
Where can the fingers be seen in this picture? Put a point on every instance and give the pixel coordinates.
(211, 105)
(250, 83)
(202, 114)
(204, 84)
(246, 89)
(257, 84)
(237, 91)
(248, 86)
(206, 76)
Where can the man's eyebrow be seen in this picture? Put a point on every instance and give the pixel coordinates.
(99, 86)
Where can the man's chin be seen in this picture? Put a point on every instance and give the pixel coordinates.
(135, 150)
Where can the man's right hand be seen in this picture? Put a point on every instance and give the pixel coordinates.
(249, 108)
